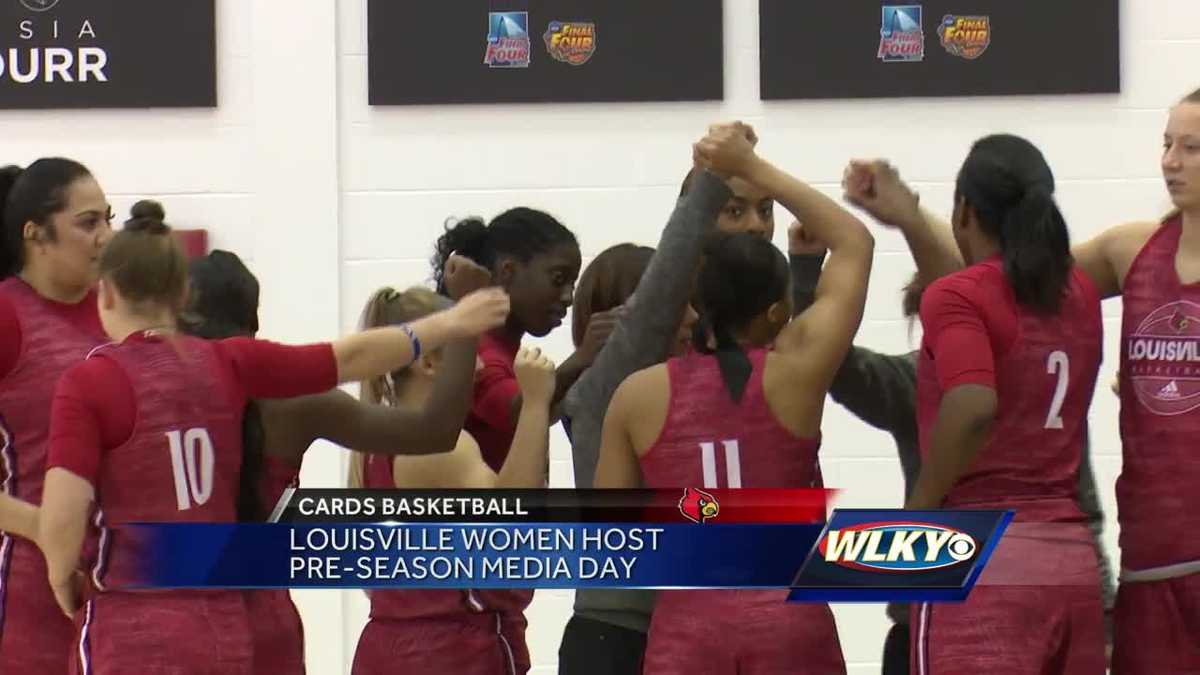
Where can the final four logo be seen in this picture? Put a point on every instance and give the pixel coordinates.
(571, 41)
(901, 34)
(965, 36)
(507, 40)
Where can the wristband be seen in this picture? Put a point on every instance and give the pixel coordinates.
(416, 343)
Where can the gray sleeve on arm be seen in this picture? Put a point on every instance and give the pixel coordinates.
(642, 337)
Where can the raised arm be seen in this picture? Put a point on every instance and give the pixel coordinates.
(645, 329)
(876, 187)
(380, 350)
(823, 333)
(526, 464)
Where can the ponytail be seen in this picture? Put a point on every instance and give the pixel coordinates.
(1037, 251)
(254, 447)
(741, 277)
(377, 390)
(1006, 181)
(388, 307)
(735, 366)
(468, 238)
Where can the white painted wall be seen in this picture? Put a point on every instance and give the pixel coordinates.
(327, 199)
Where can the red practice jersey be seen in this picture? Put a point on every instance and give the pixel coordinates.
(1043, 369)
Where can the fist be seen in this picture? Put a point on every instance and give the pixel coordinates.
(875, 186)
(479, 312)
(599, 327)
(464, 276)
(726, 150)
(535, 375)
(800, 242)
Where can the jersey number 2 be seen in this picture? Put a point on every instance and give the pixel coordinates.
(192, 465)
(733, 464)
(1057, 364)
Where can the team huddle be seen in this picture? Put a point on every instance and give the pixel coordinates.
(133, 388)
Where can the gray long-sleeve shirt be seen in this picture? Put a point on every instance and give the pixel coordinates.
(881, 389)
(642, 338)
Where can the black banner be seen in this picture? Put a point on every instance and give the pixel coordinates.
(939, 48)
(487, 51)
(107, 53)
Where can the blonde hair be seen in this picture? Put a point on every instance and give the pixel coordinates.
(388, 307)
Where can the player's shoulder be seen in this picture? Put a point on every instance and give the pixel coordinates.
(1129, 238)
(966, 284)
(642, 384)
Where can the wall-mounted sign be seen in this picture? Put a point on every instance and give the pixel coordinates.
(107, 53)
(893, 48)
(489, 51)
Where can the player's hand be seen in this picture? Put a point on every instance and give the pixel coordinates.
(595, 336)
(68, 593)
(478, 312)
(464, 276)
(535, 375)
(875, 186)
(800, 242)
(727, 149)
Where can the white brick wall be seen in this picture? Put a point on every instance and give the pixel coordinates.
(328, 198)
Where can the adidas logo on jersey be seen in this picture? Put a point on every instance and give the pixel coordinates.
(897, 547)
(1170, 391)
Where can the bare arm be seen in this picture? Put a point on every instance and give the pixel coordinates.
(381, 350)
(963, 424)
(525, 466)
(875, 186)
(18, 517)
(66, 500)
(292, 425)
(823, 333)
(1106, 258)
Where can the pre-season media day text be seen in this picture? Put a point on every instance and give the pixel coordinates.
(512, 553)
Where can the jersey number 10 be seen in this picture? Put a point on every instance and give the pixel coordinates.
(192, 465)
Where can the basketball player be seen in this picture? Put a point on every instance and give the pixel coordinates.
(1008, 364)
(223, 303)
(763, 405)
(536, 260)
(149, 428)
(607, 634)
(1154, 266)
(55, 220)
(436, 631)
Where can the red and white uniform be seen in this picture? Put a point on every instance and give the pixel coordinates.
(155, 425)
(39, 340)
(440, 631)
(1037, 607)
(710, 441)
(1157, 617)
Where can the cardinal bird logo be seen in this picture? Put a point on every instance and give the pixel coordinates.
(698, 506)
